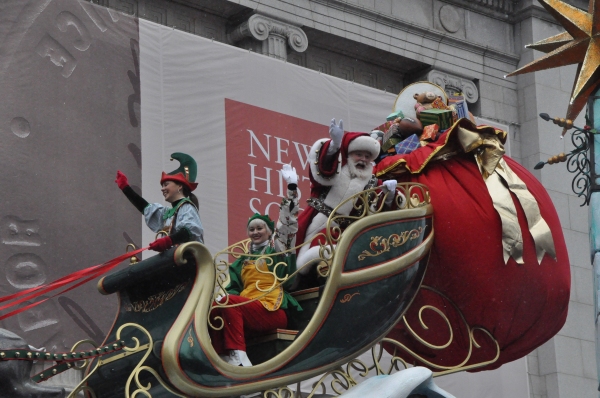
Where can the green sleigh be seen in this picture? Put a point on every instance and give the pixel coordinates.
(373, 271)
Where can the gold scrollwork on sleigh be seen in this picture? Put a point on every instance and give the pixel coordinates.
(372, 201)
(471, 342)
(380, 245)
(365, 203)
(347, 297)
(266, 264)
(156, 300)
(382, 363)
(133, 381)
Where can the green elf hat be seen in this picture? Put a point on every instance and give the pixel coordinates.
(186, 172)
(265, 218)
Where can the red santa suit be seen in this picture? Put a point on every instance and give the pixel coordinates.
(332, 183)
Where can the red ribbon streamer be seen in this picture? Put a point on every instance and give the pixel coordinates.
(86, 274)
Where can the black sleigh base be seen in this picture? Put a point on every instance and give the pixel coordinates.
(162, 328)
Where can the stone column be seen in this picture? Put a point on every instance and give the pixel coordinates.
(594, 217)
(565, 365)
(443, 79)
(273, 36)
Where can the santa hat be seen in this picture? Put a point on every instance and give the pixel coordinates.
(359, 142)
(186, 172)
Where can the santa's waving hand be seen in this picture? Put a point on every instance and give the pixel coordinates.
(336, 132)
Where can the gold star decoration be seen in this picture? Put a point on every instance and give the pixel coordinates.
(580, 44)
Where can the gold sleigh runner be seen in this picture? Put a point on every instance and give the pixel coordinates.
(341, 379)
(350, 284)
(357, 370)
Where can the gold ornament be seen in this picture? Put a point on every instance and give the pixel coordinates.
(580, 44)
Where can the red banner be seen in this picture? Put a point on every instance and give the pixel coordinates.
(259, 142)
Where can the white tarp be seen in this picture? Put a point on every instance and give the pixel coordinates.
(186, 82)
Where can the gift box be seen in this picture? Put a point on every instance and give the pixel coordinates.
(377, 135)
(439, 103)
(430, 132)
(441, 117)
(393, 116)
(384, 127)
(453, 99)
(390, 143)
(459, 105)
(392, 131)
(408, 145)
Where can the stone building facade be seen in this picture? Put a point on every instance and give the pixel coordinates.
(472, 44)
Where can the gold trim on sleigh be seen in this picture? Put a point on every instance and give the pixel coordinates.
(344, 377)
(365, 203)
(133, 381)
(354, 371)
(204, 292)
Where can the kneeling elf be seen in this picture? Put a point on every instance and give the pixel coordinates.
(259, 283)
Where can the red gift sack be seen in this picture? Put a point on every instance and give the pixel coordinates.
(520, 305)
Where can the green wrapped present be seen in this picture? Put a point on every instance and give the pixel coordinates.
(390, 144)
(441, 117)
(393, 116)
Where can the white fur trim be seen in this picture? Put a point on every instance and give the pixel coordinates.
(313, 157)
(365, 143)
(309, 258)
(342, 188)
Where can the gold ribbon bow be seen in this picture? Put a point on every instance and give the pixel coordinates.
(500, 180)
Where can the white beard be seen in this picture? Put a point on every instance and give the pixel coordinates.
(355, 172)
(348, 182)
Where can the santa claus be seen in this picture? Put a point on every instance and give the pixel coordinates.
(339, 168)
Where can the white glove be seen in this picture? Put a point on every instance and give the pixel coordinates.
(401, 200)
(336, 132)
(389, 185)
(289, 174)
(389, 188)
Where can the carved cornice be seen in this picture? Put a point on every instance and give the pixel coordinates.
(533, 11)
(506, 6)
(259, 27)
(509, 11)
(443, 79)
(395, 23)
(498, 9)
